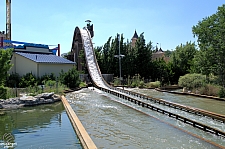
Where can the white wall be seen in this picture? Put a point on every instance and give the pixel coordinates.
(22, 65)
(48, 68)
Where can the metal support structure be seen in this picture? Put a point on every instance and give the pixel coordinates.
(58, 49)
(119, 56)
(8, 19)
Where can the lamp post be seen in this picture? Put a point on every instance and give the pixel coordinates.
(119, 56)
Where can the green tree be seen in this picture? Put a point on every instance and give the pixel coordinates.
(211, 40)
(129, 61)
(144, 55)
(168, 53)
(5, 57)
(182, 59)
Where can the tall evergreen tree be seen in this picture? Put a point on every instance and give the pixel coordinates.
(143, 60)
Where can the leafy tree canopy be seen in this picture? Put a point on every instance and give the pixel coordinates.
(5, 57)
(210, 33)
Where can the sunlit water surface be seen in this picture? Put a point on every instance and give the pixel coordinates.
(114, 125)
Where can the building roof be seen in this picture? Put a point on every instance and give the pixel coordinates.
(45, 58)
(135, 35)
(160, 51)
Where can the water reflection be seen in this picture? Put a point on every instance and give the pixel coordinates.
(44, 126)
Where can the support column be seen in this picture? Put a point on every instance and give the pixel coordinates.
(58, 49)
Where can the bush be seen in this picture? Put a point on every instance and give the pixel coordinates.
(13, 80)
(47, 77)
(222, 92)
(82, 84)
(213, 79)
(27, 80)
(133, 84)
(71, 78)
(50, 83)
(116, 81)
(191, 81)
(141, 84)
(61, 76)
(155, 84)
(208, 89)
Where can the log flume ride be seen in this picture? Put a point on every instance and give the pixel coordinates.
(98, 81)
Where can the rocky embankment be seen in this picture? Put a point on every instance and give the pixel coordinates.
(18, 102)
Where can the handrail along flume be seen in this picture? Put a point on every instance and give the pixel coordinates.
(101, 84)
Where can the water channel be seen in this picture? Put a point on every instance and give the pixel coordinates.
(114, 125)
(212, 105)
(109, 123)
(44, 127)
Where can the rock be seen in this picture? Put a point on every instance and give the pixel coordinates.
(47, 95)
(12, 106)
(56, 97)
(18, 102)
(49, 100)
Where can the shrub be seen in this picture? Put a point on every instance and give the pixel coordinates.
(208, 89)
(141, 84)
(71, 78)
(27, 80)
(191, 81)
(50, 83)
(222, 92)
(213, 79)
(116, 81)
(61, 76)
(13, 80)
(48, 77)
(155, 84)
(133, 84)
(82, 84)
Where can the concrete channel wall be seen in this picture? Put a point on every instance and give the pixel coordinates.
(82, 134)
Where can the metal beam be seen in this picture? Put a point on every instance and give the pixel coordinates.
(8, 19)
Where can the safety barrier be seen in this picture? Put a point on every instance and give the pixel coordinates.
(83, 136)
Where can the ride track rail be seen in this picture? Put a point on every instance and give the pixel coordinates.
(196, 111)
(101, 84)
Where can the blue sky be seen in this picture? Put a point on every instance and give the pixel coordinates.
(168, 22)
